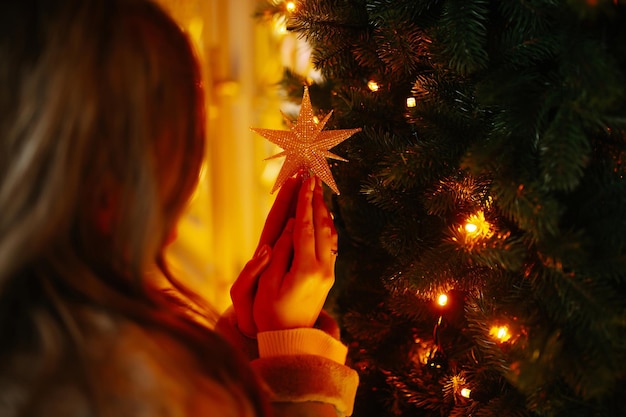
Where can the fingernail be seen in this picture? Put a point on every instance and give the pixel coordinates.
(312, 181)
(262, 251)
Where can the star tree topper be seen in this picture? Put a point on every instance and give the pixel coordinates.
(306, 146)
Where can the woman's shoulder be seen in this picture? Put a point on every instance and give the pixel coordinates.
(151, 372)
(119, 368)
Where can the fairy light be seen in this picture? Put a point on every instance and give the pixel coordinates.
(501, 333)
(442, 300)
(316, 119)
(373, 85)
(466, 392)
(410, 102)
(291, 6)
(474, 230)
(477, 225)
(471, 227)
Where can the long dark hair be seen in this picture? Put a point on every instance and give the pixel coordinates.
(100, 105)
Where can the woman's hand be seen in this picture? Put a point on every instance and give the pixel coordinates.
(293, 287)
(244, 289)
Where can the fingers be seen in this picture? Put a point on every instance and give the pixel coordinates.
(244, 290)
(283, 208)
(271, 279)
(304, 233)
(293, 287)
(325, 233)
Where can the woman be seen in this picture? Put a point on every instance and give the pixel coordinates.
(102, 136)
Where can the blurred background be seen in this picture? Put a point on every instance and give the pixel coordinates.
(242, 62)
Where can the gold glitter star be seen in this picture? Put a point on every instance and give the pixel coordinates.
(306, 146)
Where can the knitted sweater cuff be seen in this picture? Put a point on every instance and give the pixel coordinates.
(305, 378)
(301, 341)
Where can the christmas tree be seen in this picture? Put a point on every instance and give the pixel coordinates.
(482, 214)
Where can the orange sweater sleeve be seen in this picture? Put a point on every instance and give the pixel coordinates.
(300, 367)
(303, 341)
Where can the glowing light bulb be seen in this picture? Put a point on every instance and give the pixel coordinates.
(291, 6)
(466, 392)
(501, 333)
(316, 119)
(410, 102)
(476, 226)
(373, 85)
(442, 300)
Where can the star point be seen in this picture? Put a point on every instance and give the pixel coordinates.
(306, 146)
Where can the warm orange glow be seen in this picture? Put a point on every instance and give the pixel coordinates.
(476, 225)
(271, 170)
(219, 229)
(442, 300)
(466, 392)
(291, 6)
(373, 85)
(316, 119)
(501, 333)
(227, 88)
(422, 351)
(279, 26)
(410, 102)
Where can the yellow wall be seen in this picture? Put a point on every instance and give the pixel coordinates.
(241, 68)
